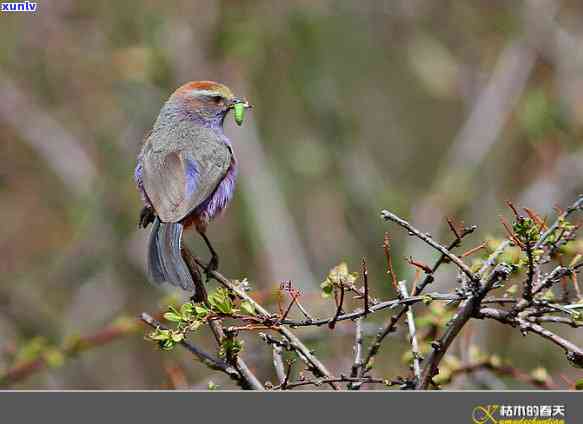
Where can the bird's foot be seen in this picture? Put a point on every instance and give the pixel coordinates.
(147, 216)
(212, 266)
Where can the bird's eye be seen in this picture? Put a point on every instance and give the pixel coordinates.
(216, 99)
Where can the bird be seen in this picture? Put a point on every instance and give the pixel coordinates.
(186, 173)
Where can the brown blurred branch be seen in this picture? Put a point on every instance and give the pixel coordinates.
(70, 350)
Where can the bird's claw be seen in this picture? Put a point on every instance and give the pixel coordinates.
(147, 216)
(212, 266)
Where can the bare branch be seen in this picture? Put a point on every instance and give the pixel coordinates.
(412, 333)
(390, 271)
(365, 281)
(577, 205)
(341, 379)
(357, 365)
(463, 315)
(526, 326)
(332, 322)
(389, 326)
(278, 363)
(388, 216)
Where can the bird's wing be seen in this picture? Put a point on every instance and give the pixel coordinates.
(178, 180)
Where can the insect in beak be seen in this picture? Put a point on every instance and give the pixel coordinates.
(239, 105)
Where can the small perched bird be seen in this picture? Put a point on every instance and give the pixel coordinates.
(186, 173)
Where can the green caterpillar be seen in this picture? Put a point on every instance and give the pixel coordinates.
(239, 111)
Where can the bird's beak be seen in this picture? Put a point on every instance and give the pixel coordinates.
(240, 100)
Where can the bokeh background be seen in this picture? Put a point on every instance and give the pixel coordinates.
(429, 109)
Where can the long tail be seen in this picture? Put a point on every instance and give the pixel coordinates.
(165, 262)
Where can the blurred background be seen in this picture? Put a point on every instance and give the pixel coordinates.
(428, 109)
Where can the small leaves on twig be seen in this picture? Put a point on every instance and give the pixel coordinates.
(433, 332)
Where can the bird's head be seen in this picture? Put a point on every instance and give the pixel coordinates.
(209, 101)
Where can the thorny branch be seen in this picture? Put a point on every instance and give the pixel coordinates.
(412, 333)
(466, 311)
(390, 325)
(295, 343)
(528, 310)
(357, 364)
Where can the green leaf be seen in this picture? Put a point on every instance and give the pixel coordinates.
(167, 344)
(327, 288)
(54, 358)
(230, 348)
(200, 311)
(221, 301)
(177, 337)
(159, 335)
(173, 317)
(247, 308)
(540, 374)
(32, 349)
(186, 310)
(579, 384)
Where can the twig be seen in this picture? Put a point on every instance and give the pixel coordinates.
(303, 310)
(357, 365)
(576, 286)
(295, 343)
(278, 363)
(577, 205)
(388, 216)
(412, 333)
(248, 379)
(332, 322)
(526, 326)
(473, 250)
(463, 315)
(202, 356)
(420, 266)
(491, 261)
(453, 228)
(390, 324)
(342, 379)
(294, 297)
(365, 280)
(554, 276)
(390, 271)
(527, 293)
(389, 304)
(284, 383)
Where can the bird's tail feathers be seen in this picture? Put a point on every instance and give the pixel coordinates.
(165, 261)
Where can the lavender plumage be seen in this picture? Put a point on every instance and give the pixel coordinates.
(186, 173)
